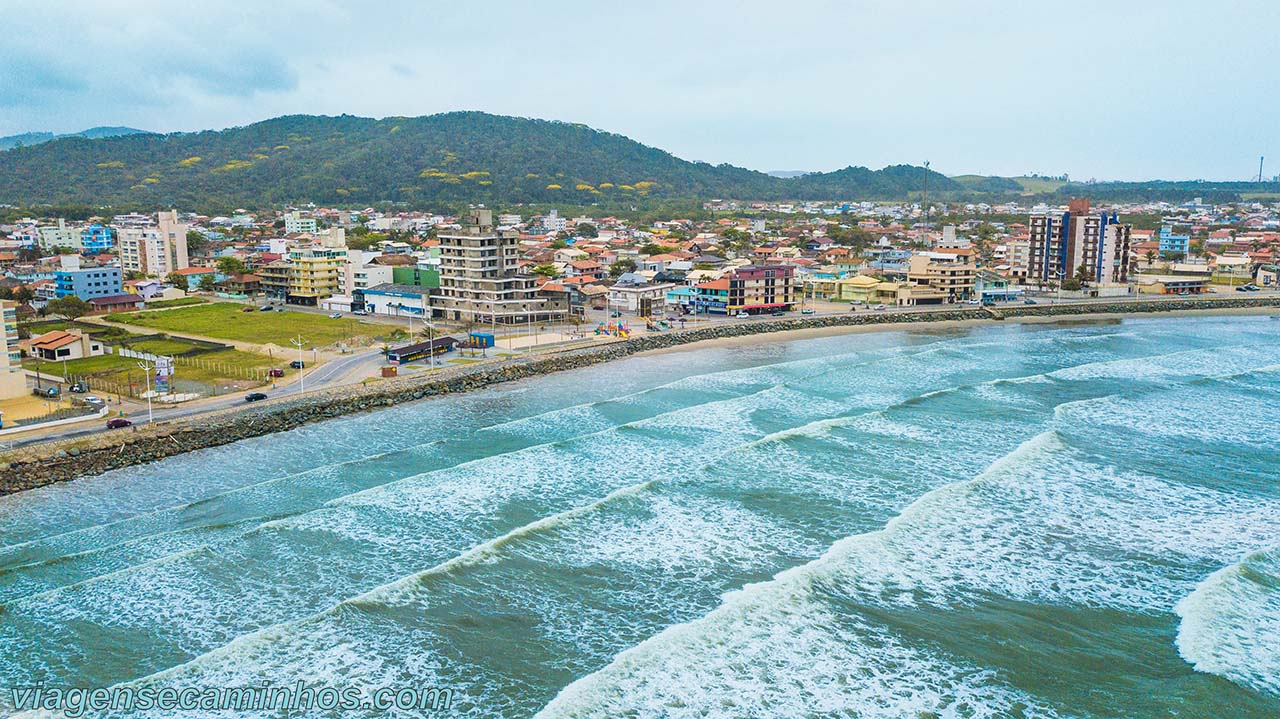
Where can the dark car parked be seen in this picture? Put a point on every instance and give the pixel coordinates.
(118, 422)
(254, 396)
(297, 364)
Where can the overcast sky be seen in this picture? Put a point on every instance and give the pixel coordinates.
(1112, 90)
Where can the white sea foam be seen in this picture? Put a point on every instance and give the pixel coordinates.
(1231, 623)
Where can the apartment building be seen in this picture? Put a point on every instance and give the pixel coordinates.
(761, 288)
(480, 280)
(314, 274)
(295, 222)
(1018, 257)
(951, 273)
(86, 282)
(359, 272)
(59, 235)
(13, 382)
(97, 239)
(155, 251)
(1171, 243)
(275, 278)
(1062, 244)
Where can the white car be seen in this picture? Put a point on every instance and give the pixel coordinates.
(973, 302)
(335, 315)
(879, 307)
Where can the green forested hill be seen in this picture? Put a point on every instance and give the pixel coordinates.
(462, 157)
(452, 157)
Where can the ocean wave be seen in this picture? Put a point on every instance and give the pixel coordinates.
(1230, 624)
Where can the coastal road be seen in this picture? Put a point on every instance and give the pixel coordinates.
(345, 370)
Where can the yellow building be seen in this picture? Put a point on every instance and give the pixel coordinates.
(822, 288)
(13, 383)
(859, 288)
(951, 272)
(314, 275)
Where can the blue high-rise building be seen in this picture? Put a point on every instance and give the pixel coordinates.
(1169, 242)
(97, 239)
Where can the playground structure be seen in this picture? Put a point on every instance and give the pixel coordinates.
(613, 329)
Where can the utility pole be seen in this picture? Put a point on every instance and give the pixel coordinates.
(926, 195)
(1260, 159)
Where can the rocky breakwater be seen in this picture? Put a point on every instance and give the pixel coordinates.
(46, 463)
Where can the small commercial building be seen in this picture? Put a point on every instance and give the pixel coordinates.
(393, 300)
(409, 353)
(640, 299)
(1172, 284)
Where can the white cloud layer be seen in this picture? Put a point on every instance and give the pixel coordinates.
(1130, 90)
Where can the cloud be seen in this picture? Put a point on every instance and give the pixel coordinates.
(1127, 90)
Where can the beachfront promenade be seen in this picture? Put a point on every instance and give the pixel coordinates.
(45, 460)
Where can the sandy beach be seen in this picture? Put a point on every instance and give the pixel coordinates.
(943, 325)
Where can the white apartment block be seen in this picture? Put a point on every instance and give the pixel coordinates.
(155, 251)
(59, 235)
(359, 272)
(295, 222)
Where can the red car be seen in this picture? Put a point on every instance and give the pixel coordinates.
(275, 372)
(118, 422)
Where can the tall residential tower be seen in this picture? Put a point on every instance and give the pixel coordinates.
(480, 280)
(1062, 244)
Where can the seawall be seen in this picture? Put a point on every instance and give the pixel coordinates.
(56, 461)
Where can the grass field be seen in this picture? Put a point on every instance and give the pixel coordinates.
(1038, 184)
(227, 320)
(162, 347)
(179, 302)
(213, 368)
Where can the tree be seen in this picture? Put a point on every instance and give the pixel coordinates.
(206, 282)
(230, 266)
(196, 242)
(851, 236)
(654, 248)
(1071, 284)
(621, 267)
(23, 294)
(1150, 257)
(173, 279)
(69, 307)
(559, 245)
(1083, 275)
(587, 230)
(546, 270)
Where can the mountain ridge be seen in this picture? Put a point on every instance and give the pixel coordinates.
(27, 139)
(466, 157)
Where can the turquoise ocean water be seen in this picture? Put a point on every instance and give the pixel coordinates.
(1076, 520)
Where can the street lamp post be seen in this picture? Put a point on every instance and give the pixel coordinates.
(146, 370)
(431, 348)
(302, 375)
